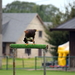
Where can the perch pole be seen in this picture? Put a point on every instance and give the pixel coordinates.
(39, 46)
(33, 46)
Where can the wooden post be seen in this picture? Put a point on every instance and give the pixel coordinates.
(13, 61)
(35, 63)
(23, 62)
(0, 34)
(6, 62)
(44, 60)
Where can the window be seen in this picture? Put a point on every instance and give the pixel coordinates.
(4, 48)
(40, 33)
(28, 51)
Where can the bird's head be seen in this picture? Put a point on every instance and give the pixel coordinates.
(29, 30)
(26, 31)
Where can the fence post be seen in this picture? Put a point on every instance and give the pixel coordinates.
(13, 61)
(44, 60)
(35, 63)
(6, 62)
(23, 62)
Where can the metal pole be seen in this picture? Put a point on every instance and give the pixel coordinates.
(69, 61)
(13, 61)
(23, 62)
(44, 59)
(6, 62)
(35, 63)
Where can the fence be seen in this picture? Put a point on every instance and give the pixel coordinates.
(34, 63)
(20, 63)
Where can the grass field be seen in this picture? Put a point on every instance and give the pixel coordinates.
(35, 72)
(29, 63)
(23, 62)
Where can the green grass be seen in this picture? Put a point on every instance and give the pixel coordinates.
(19, 62)
(29, 63)
(35, 72)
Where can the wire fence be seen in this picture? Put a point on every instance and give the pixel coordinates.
(38, 63)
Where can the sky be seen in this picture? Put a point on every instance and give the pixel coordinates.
(58, 3)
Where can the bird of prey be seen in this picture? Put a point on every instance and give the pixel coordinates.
(29, 35)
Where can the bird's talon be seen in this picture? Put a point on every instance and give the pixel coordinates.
(33, 43)
(26, 44)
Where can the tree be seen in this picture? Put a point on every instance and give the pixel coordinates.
(57, 38)
(46, 12)
(69, 11)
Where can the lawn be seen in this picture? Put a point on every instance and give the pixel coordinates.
(28, 63)
(35, 72)
(23, 62)
(19, 63)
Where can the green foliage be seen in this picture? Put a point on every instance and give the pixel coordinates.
(46, 12)
(69, 11)
(54, 37)
(57, 38)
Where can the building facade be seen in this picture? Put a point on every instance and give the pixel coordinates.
(34, 23)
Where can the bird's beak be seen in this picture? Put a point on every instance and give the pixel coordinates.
(36, 30)
(26, 31)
